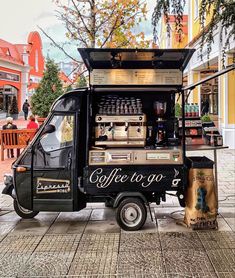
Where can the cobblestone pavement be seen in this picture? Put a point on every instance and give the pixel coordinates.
(89, 243)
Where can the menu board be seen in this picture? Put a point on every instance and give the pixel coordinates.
(136, 77)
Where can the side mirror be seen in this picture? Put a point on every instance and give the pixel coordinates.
(48, 129)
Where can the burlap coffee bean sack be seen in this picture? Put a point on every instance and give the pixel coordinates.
(201, 202)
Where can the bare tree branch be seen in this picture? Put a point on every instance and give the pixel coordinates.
(81, 73)
(68, 22)
(81, 16)
(58, 46)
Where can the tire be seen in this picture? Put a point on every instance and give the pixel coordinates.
(22, 212)
(131, 214)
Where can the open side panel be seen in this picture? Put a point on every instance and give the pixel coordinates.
(110, 58)
(131, 67)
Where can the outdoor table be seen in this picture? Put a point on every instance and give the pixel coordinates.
(208, 148)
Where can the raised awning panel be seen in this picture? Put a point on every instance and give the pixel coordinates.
(110, 58)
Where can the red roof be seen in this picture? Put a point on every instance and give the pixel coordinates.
(9, 52)
(22, 47)
(63, 77)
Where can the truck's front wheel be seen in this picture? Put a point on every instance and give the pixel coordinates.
(22, 212)
(131, 214)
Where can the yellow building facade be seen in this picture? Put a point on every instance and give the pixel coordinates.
(219, 92)
(172, 40)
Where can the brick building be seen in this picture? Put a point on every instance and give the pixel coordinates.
(21, 69)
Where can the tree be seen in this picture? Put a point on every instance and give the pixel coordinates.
(102, 23)
(81, 83)
(69, 88)
(49, 89)
(221, 12)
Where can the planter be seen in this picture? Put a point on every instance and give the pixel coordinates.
(208, 124)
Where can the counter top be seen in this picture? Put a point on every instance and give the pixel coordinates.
(204, 147)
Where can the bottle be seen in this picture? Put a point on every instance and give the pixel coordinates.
(186, 110)
(212, 140)
(149, 139)
(197, 110)
(193, 109)
(190, 110)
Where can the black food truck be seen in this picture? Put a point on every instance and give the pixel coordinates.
(116, 141)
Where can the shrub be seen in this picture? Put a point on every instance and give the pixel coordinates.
(49, 89)
(206, 118)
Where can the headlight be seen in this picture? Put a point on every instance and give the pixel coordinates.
(8, 179)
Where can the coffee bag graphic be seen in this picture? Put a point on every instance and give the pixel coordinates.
(201, 202)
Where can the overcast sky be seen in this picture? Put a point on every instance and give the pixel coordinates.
(20, 17)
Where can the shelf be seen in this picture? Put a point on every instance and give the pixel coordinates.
(191, 127)
(190, 118)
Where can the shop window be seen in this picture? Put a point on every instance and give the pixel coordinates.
(209, 94)
(1, 101)
(8, 53)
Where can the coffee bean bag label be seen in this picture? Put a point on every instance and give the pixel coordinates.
(201, 202)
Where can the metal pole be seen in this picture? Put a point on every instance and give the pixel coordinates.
(183, 126)
(216, 177)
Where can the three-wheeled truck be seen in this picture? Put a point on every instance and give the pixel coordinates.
(116, 141)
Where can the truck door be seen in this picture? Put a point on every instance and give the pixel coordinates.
(53, 164)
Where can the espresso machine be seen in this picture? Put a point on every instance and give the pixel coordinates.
(120, 122)
(159, 108)
(120, 131)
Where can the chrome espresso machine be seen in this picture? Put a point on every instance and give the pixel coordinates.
(120, 122)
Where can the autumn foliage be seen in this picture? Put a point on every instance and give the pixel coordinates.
(103, 23)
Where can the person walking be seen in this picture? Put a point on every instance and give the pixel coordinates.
(205, 107)
(32, 124)
(9, 125)
(25, 109)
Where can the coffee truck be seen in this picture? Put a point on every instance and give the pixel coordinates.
(116, 141)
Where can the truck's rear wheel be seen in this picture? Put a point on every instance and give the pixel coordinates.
(131, 214)
(22, 212)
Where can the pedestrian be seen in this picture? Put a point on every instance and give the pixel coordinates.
(205, 107)
(32, 123)
(9, 125)
(25, 109)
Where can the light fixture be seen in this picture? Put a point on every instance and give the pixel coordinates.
(115, 60)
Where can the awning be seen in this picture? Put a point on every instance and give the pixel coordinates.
(117, 58)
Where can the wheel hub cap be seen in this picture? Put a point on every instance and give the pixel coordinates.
(131, 214)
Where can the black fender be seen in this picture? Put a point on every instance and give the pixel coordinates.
(123, 195)
(9, 190)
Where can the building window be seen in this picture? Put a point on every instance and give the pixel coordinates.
(36, 61)
(8, 53)
(196, 9)
(9, 76)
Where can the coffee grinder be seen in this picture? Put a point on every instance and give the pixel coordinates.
(160, 129)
